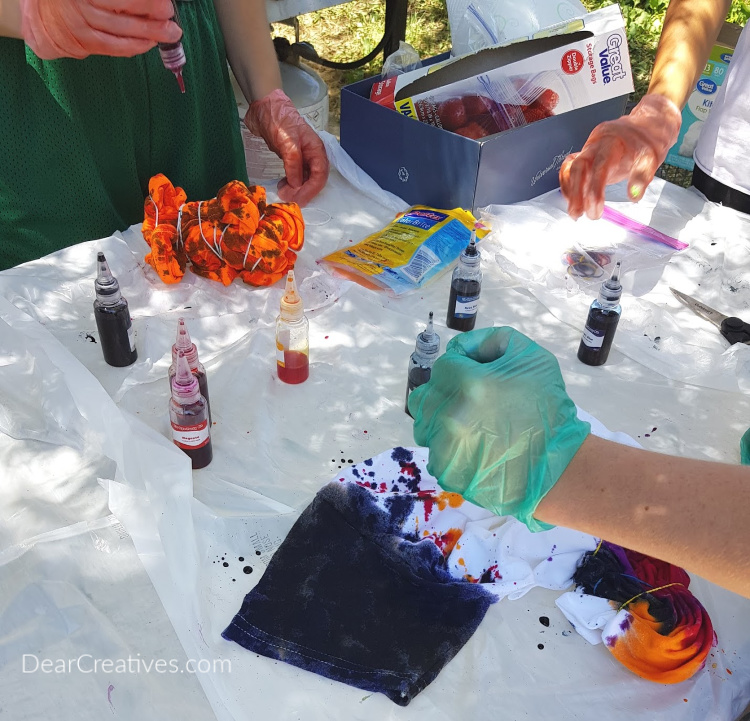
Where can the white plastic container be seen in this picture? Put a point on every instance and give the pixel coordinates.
(309, 93)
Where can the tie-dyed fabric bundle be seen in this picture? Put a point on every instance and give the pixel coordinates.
(660, 630)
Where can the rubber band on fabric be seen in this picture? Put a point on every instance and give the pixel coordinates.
(650, 590)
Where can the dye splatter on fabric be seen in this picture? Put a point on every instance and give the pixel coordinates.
(385, 577)
(654, 625)
(347, 597)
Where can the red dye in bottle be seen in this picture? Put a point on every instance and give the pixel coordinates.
(296, 367)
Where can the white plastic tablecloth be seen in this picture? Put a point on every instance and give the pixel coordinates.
(111, 548)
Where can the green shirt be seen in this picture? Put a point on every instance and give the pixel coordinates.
(80, 139)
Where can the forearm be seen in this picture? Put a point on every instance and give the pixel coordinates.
(691, 513)
(10, 19)
(250, 50)
(690, 30)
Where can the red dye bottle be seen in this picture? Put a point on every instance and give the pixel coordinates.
(184, 344)
(188, 415)
(292, 336)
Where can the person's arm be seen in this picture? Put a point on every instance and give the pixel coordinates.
(689, 32)
(10, 19)
(250, 50)
(271, 114)
(694, 514)
(635, 145)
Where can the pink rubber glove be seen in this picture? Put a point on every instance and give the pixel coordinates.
(275, 119)
(79, 28)
(633, 147)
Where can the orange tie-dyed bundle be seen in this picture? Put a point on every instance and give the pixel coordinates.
(661, 631)
(234, 234)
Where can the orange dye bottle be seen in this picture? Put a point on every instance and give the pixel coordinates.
(292, 336)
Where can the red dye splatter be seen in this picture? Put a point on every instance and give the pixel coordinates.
(729, 672)
(410, 469)
(428, 501)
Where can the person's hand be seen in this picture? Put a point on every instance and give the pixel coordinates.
(79, 28)
(275, 119)
(632, 147)
(498, 423)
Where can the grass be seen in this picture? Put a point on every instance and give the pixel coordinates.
(347, 32)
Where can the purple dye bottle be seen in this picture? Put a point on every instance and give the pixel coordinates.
(173, 54)
(188, 416)
(184, 344)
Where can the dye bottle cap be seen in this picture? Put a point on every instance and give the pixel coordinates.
(184, 344)
(292, 307)
(611, 290)
(428, 345)
(470, 254)
(185, 389)
(106, 286)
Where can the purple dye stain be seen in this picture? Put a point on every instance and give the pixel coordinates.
(626, 622)
(550, 558)
(610, 641)
(110, 688)
(401, 455)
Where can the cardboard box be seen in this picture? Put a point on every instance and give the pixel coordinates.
(427, 165)
(702, 98)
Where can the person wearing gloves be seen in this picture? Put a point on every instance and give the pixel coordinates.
(90, 113)
(634, 146)
(502, 431)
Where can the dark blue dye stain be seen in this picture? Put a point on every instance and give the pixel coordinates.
(402, 455)
(371, 473)
(356, 473)
(368, 461)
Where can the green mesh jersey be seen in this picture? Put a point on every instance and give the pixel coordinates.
(79, 139)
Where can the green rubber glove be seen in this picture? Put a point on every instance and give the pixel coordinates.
(745, 448)
(498, 423)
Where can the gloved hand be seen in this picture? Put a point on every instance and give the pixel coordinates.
(633, 147)
(498, 423)
(275, 119)
(79, 28)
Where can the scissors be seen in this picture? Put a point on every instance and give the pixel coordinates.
(734, 329)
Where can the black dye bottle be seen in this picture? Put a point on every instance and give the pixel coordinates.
(466, 283)
(601, 323)
(188, 416)
(420, 364)
(116, 335)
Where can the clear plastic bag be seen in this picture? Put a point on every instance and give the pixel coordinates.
(403, 60)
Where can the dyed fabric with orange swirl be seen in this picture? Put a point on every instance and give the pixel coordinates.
(661, 631)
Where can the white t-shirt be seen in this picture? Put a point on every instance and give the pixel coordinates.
(723, 149)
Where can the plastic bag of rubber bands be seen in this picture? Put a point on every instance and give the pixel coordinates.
(234, 234)
(409, 252)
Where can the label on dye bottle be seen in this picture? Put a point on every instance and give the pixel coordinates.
(191, 436)
(280, 354)
(593, 338)
(131, 337)
(466, 306)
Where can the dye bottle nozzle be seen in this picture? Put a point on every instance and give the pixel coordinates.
(185, 387)
(173, 54)
(106, 287)
(426, 351)
(601, 323)
(184, 344)
(611, 289)
(291, 307)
